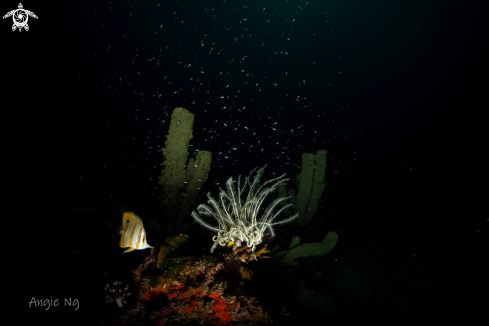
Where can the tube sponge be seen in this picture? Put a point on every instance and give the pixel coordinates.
(311, 183)
(310, 186)
(181, 182)
(308, 249)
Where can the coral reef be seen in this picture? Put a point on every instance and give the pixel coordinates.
(310, 186)
(181, 181)
(174, 289)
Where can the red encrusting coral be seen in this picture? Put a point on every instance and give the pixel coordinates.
(214, 296)
(199, 292)
(154, 295)
(220, 307)
(173, 295)
(192, 304)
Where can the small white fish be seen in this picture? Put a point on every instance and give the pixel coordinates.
(133, 235)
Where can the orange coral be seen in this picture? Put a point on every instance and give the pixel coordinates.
(215, 295)
(220, 307)
(199, 292)
(237, 249)
(173, 295)
(264, 250)
(245, 255)
(219, 310)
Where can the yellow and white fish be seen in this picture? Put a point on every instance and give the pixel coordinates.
(132, 233)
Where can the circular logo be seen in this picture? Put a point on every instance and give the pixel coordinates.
(20, 17)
